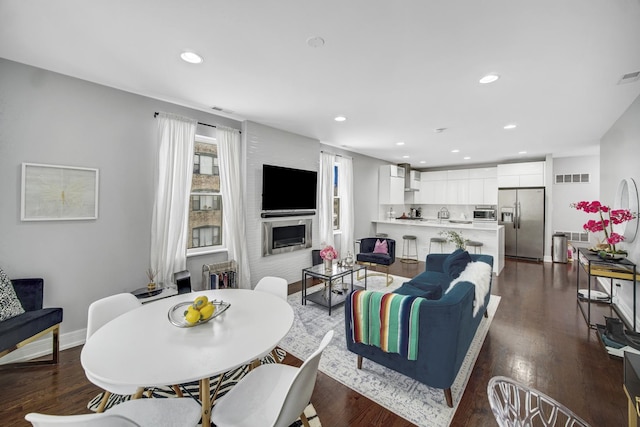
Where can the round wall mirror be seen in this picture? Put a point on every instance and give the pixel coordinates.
(627, 198)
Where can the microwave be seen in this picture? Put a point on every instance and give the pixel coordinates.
(485, 214)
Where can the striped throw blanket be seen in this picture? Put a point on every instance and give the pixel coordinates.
(388, 321)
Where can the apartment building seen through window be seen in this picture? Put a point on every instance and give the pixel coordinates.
(205, 208)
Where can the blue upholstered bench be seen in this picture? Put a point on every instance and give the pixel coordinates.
(32, 324)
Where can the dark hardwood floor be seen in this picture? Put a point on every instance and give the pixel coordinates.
(538, 337)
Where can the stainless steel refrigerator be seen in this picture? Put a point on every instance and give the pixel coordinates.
(521, 211)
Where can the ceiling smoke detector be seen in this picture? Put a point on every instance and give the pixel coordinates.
(315, 41)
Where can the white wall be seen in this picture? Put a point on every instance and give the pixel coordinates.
(266, 145)
(564, 217)
(53, 119)
(619, 157)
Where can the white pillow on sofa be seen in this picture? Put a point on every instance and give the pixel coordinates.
(478, 273)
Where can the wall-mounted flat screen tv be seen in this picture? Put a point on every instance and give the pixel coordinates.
(288, 188)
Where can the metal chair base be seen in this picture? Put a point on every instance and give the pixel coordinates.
(374, 273)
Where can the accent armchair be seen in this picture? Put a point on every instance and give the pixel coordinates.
(369, 255)
(35, 322)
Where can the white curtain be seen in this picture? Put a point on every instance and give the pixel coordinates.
(171, 208)
(233, 201)
(325, 199)
(345, 192)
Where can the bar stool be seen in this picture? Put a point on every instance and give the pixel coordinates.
(408, 256)
(475, 245)
(440, 240)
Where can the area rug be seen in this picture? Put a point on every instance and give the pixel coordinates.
(191, 389)
(414, 401)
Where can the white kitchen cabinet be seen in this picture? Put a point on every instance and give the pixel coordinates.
(433, 188)
(476, 191)
(459, 187)
(490, 191)
(529, 174)
(390, 185)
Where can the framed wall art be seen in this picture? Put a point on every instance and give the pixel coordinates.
(51, 192)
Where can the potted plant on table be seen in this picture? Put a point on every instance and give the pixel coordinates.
(454, 237)
(606, 248)
(328, 254)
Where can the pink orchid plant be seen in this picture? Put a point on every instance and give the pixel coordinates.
(615, 216)
(328, 253)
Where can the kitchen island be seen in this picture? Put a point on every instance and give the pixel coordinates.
(489, 233)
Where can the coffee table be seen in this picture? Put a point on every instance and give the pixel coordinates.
(324, 297)
(143, 348)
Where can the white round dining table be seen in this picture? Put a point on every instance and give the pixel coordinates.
(143, 348)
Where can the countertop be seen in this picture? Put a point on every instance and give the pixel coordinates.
(443, 223)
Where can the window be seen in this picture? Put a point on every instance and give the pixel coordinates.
(205, 236)
(205, 163)
(205, 207)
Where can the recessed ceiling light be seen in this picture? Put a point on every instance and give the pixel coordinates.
(315, 41)
(191, 57)
(400, 143)
(405, 157)
(466, 158)
(511, 126)
(423, 161)
(522, 152)
(489, 78)
(340, 118)
(455, 151)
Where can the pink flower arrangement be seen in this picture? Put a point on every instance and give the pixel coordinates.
(615, 216)
(328, 253)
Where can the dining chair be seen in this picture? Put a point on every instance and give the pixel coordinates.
(515, 404)
(274, 285)
(100, 313)
(133, 413)
(274, 394)
(278, 287)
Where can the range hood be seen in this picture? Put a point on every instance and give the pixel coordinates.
(410, 184)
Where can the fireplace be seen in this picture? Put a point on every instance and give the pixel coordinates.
(285, 236)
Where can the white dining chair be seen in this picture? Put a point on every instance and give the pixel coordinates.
(100, 313)
(274, 285)
(133, 413)
(278, 287)
(274, 394)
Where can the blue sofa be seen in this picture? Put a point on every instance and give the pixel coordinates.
(32, 324)
(447, 325)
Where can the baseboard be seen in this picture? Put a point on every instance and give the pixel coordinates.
(43, 346)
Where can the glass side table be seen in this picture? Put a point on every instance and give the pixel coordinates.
(326, 297)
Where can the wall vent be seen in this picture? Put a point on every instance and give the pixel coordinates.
(573, 178)
(575, 236)
(630, 77)
(220, 109)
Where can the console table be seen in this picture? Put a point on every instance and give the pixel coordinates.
(594, 266)
(324, 296)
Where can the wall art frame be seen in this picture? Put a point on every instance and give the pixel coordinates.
(58, 193)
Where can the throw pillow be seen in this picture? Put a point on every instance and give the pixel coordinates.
(9, 303)
(455, 263)
(381, 247)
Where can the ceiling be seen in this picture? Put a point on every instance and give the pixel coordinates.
(396, 70)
